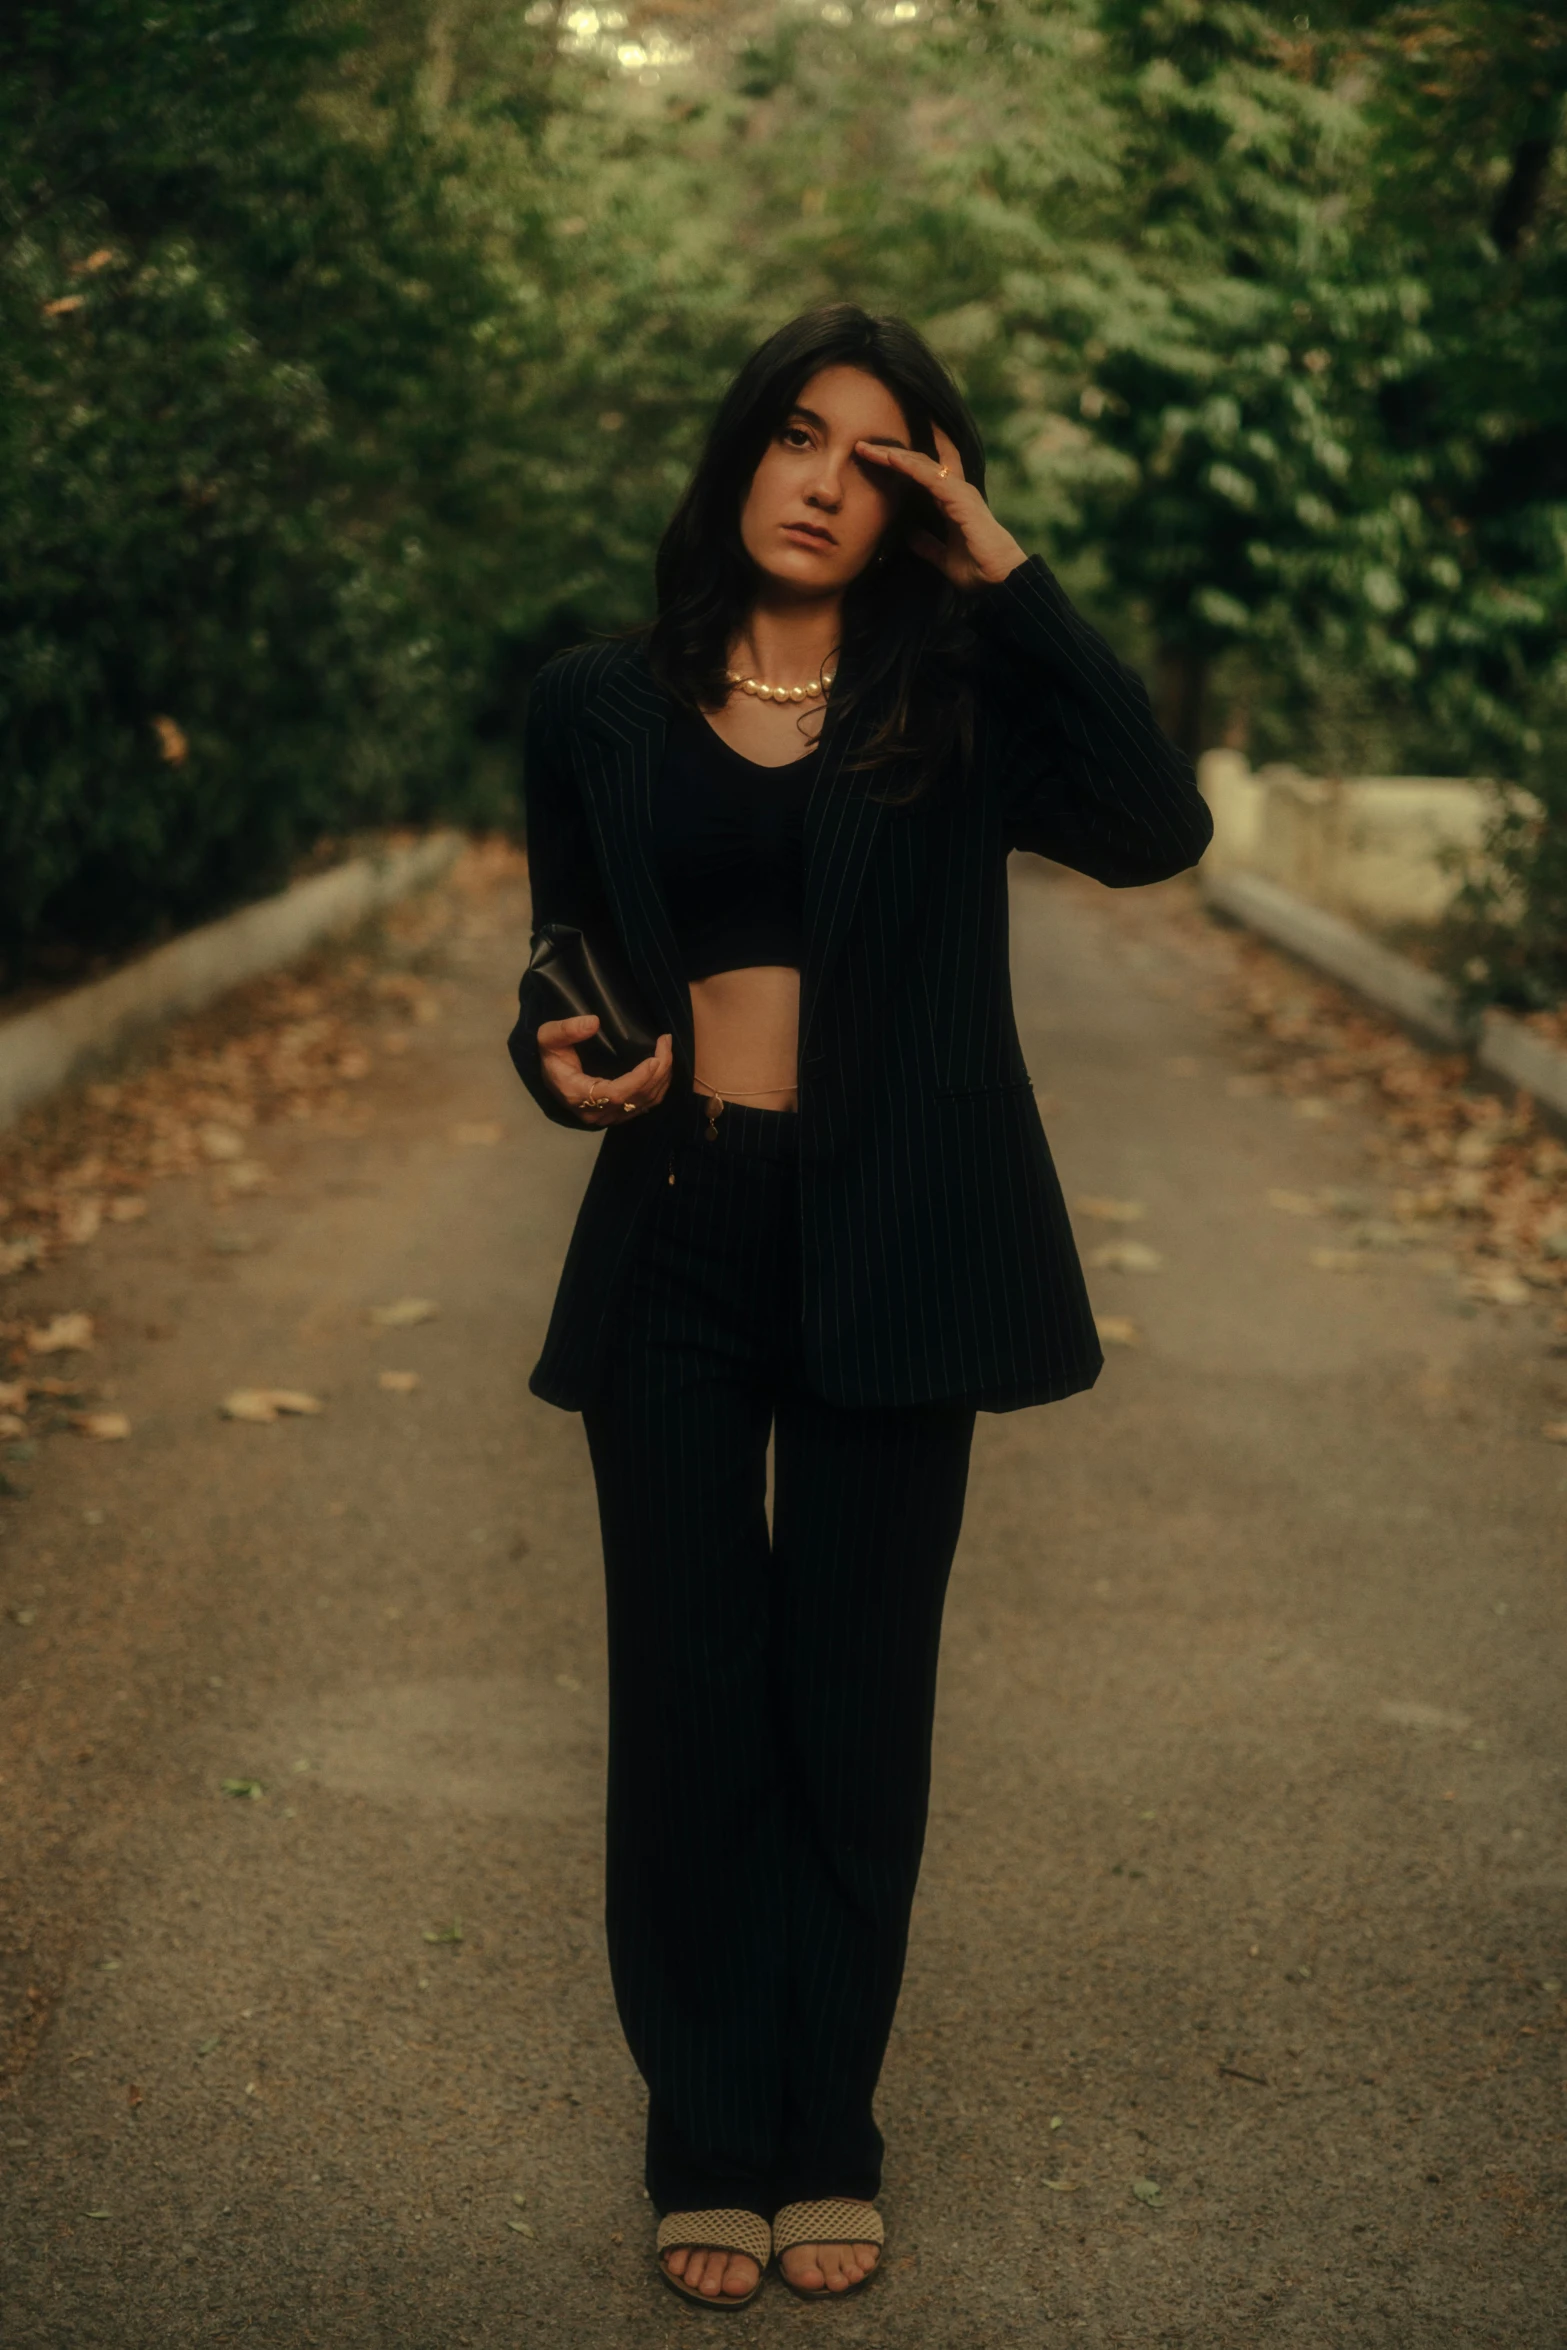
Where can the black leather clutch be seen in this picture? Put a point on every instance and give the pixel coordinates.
(579, 975)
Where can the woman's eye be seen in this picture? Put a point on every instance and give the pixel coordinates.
(795, 436)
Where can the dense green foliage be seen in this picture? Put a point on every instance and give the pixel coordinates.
(352, 357)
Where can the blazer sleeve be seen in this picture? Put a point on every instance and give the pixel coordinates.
(1087, 776)
(562, 876)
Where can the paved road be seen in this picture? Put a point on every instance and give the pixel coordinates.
(1245, 1873)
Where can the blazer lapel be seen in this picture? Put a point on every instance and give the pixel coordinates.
(621, 747)
(841, 829)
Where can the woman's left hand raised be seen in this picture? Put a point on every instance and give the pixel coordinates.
(974, 550)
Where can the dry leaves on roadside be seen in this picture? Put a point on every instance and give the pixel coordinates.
(106, 1427)
(1454, 1153)
(1478, 1173)
(264, 1404)
(291, 1046)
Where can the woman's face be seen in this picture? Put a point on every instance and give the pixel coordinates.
(814, 515)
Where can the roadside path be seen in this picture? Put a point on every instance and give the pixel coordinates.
(1233, 2014)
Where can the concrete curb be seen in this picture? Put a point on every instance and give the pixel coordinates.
(43, 1049)
(1502, 1046)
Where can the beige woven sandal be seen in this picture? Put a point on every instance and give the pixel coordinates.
(715, 2231)
(832, 2222)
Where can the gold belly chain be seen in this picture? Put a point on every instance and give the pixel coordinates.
(718, 1104)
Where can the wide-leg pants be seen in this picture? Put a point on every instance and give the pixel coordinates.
(771, 1696)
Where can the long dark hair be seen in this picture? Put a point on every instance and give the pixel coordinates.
(903, 636)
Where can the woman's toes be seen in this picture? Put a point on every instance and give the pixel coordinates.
(712, 2273)
(842, 2268)
(801, 2265)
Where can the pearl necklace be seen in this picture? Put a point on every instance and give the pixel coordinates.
(815, 691)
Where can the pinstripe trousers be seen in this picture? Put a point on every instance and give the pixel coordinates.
(771, 1693)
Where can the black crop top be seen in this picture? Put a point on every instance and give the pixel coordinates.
(729, 842)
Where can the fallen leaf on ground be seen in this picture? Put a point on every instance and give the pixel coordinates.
(1295, 1203)
(1555, 1431)
(404, 1312)
(79, 1222)
(245, 1175)
(1117, 1330)
(1410, 1713)
(1126, 1256)
(13, 1395)
(245, 1788)
(451, 1933)
(17, 1255)
(67, 1333)
(217, 1142)
(205, 2047)
(1148, 2191)
(1498, 1289)
(398, 1382)
(519, 2227)
(10, 1425)
(1061, 2186)
(106, 1426)
(263, 1404)
(1111, 1211)
(477, 1130)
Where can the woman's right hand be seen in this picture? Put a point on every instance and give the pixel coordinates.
(642, 1088)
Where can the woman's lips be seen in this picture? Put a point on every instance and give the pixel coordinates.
(809, 536)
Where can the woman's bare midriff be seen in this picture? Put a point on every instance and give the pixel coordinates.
(747, 1030)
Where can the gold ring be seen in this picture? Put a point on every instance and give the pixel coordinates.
(945, 470)
(630, 1107)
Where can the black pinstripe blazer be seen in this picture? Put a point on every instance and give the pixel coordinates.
(936, 1253)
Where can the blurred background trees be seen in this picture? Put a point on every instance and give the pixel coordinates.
(351, 357)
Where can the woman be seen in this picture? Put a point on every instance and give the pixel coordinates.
(824, 1209)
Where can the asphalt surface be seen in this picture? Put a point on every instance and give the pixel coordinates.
(1233, 2009)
